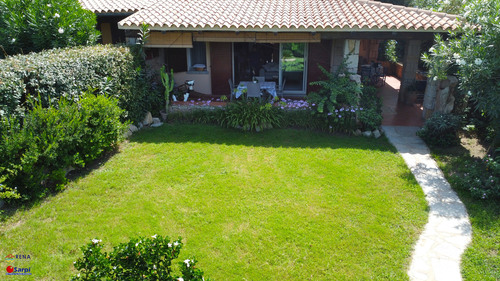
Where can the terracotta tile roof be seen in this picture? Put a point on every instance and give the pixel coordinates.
(116, 6)
(290, 15)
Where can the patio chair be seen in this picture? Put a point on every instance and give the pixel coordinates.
(231, 88)
(260, 79)
(253, 91)
(281, 89)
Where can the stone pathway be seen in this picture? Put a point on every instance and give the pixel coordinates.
(446, 235)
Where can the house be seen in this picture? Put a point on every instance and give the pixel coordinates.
(210, 41)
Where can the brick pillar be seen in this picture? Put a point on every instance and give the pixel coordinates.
(410, 65)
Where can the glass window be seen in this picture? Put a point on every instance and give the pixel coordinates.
(197, 57)
(293, 66)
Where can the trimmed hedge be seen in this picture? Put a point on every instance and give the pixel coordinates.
(51, 75)
(35, 155)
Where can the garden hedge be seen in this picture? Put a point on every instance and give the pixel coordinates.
(66, 73)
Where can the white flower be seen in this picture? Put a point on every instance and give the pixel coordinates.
(154, 266)
(461, 62)
(169, 245)
(48, 5)
(154, 236)
(469, 93)
(57, 15)
(456, 56)
(74, 262)
(187, 262)
(114, 267)
(478, 61)
(432, 50)
(435, 78)
(180, 279)
(13, 40)
(176, 243)
(60, 30)
(96, 241)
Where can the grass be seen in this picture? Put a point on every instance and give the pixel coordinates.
(481, 260)
(278, 205)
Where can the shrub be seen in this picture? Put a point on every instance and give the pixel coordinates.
(35, 155)
(301, 118)
(198, 115)
(441, 130)
(336, 101)
(65, 73)
(369, 99)
(250, 115)
(139, 259)
(32, 26)
(480, 177)
(369, 119)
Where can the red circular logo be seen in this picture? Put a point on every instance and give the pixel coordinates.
(10, 269)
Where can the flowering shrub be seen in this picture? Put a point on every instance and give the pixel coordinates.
(336, 102)
(473, 54)
(139, 259)
(480, 177)
(32, 26)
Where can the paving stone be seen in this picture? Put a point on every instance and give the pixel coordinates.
(437, 253)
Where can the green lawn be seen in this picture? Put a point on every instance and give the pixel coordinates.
(278, 205)
(481, 260)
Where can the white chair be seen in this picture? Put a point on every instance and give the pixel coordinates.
(281, 89)
(253, 91)
(260, 79)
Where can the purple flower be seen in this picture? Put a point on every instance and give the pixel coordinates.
(313, 104)
(340, 116)
(329, 113)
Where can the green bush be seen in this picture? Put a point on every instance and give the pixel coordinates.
(139, 259)
(35, 25)
(369, 99)
(441, 130)
(369, 119)
(65, 73)
(301, 118)
(36, 155)
(250, 115)
(336, 101)
(198, 116)
(480, 177)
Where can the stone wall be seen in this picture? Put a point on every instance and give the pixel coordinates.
(439, 96)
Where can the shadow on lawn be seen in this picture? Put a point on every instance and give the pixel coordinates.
(9, 210)
(293, 138)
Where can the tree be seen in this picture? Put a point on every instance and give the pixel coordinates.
(473, 54)
(34, 25)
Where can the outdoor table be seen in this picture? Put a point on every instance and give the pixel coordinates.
(270, 87)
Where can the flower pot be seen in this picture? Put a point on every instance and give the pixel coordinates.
(186, 96)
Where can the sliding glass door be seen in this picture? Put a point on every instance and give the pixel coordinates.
(293, 67)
